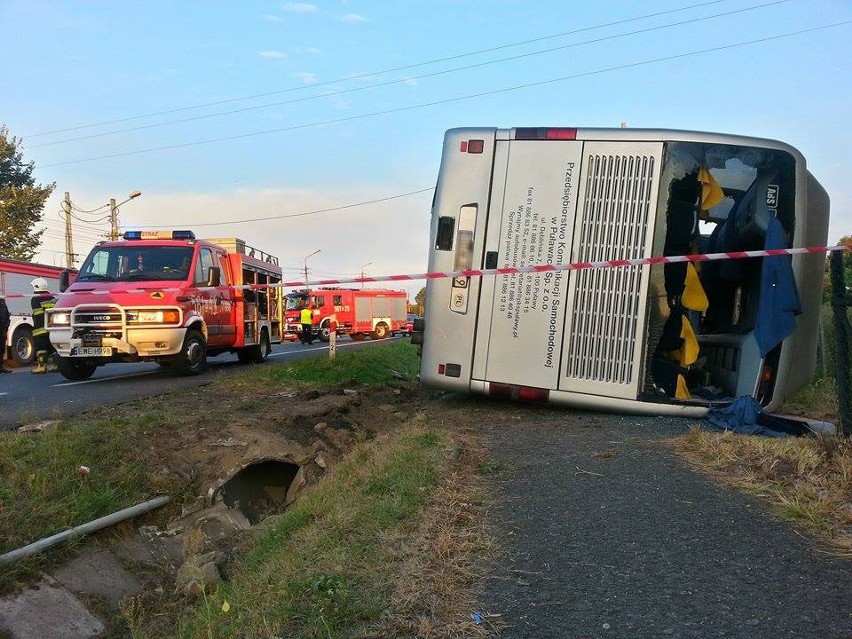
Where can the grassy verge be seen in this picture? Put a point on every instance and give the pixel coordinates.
(41, 492)
(328, 567)
(373, 365)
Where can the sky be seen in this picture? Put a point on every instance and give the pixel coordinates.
(328, 116)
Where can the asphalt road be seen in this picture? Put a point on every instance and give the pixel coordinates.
(606, 534)
(27, 398)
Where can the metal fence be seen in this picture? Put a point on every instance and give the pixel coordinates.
(840, 302)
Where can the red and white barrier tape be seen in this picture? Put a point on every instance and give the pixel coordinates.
(509, 270)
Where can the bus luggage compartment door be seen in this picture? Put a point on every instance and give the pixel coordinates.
(530, 222)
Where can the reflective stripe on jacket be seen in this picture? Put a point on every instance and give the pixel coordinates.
(39, 304)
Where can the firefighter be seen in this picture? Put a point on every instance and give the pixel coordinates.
(41, 301)
(5, 320)
(306, 319)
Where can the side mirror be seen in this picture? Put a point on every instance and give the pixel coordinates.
(214, 276)
(64, 281)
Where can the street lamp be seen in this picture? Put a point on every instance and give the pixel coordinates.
(113, 214)
(306, 265)
(362, 272)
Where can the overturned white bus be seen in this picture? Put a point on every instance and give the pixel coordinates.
(661, 339)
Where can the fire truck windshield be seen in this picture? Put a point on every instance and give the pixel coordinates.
(136, 263)
(295, 301)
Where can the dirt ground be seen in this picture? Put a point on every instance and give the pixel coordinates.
(218, 435)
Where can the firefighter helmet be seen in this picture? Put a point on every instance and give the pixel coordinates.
(40, 285)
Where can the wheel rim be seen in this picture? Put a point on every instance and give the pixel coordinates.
(194, 353)
(23, 348)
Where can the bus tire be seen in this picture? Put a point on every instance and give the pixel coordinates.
(23, 347)
(74, 369)
(381, 331)
(325, 331)
(192, 358)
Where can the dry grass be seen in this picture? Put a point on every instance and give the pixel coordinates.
(433, 591)
(808, 479)
(386, 544)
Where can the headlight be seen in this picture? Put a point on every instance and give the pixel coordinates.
(166, 316)
(59, 318)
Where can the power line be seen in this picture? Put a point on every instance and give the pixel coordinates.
(289, 215)
(424, 105)
(79, 210)
(417, 77)
(381, 72)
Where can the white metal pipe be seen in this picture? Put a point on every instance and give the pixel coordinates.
(84, 529)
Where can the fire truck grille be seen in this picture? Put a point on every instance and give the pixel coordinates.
(97, 317)
(614, 224)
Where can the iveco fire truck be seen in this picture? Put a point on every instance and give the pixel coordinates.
(359, 312)
(164, 296)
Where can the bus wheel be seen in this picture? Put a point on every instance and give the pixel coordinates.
(23, 349)
(381, 331)
(74, 369)
(325, 332)
(192, 358)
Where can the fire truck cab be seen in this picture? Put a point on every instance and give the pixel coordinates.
(359, 312)
(164, 296)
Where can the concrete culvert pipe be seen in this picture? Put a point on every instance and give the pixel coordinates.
(259, 488)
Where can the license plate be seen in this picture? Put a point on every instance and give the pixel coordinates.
(91, 351)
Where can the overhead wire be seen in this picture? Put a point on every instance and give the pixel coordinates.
(424, 105)
(417, 77)
(383, 71)
(79, 210)
(291, 215)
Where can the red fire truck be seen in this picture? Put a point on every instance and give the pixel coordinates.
(360, 312)
(164, 296)
(15, 278)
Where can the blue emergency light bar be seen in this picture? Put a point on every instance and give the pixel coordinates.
(159, 235)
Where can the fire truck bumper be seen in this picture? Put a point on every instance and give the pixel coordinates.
(141, 342)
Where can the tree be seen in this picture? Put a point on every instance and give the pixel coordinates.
(847, 269)
(420, 300)
(21, 201)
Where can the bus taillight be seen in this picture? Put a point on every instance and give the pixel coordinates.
(518, 393)
(541, 133)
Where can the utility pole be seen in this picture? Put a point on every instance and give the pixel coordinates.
(69, 245)
(362, 272)
(306, 265)
(113, 220)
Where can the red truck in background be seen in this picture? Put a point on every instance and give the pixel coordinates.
(164, 296)
(359, 312)
(15, 278)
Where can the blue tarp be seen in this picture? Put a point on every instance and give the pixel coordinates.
(745, 416)
(779, 300)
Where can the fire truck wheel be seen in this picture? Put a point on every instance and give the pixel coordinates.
(264, 348)
(74, 369)
(256, 354)
(192, 358)
(23, 349)
(324, 332)
(381, 331)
